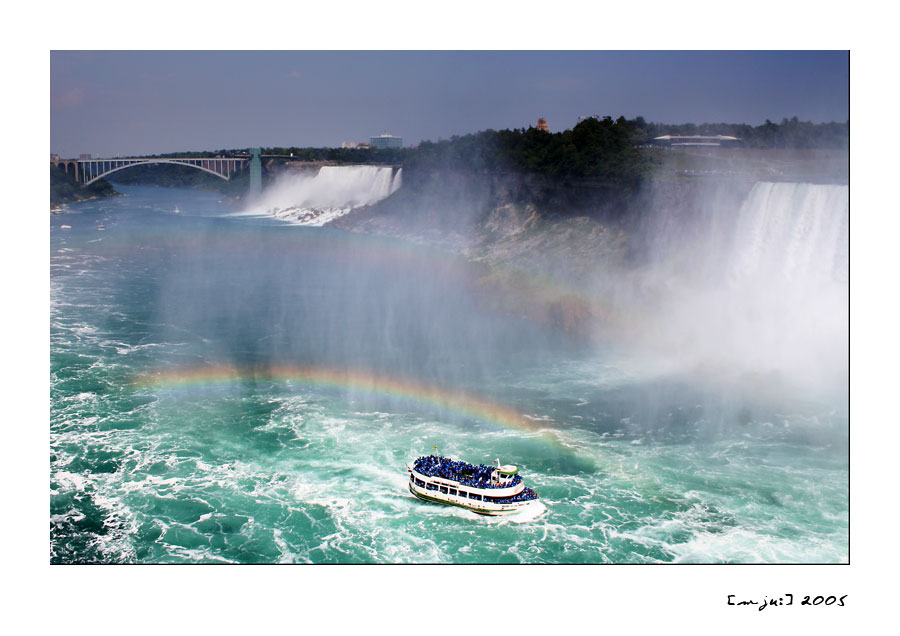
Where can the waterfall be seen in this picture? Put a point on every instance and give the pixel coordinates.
(333, 191)
(796, 231)
(758, 289)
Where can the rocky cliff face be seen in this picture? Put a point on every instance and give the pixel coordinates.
(493, 217)
(543, 244)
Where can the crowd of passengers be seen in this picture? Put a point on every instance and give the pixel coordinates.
(465, 473)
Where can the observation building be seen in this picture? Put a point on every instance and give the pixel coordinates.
(386, 141)
(696, 140)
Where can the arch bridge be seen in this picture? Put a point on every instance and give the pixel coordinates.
(87, 171)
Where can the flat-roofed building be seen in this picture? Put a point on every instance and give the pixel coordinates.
(386, 141)
(696, 140)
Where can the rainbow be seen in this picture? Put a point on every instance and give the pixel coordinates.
(428, 396)
(502, 288)
(369, 248)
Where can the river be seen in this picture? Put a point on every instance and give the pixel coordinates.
(239, 389)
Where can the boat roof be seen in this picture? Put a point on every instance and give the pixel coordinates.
(507, 469)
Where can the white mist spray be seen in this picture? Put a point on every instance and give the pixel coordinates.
(755, 295)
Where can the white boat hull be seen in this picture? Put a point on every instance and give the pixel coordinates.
(480, 507)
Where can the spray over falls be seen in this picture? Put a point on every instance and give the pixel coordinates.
(759, 289)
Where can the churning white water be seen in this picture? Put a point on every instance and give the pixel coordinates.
(315, 199)
(761, 290)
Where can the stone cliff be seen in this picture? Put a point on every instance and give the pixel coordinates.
(542, 245)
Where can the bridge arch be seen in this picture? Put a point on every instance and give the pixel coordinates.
(159, 161)
(91, 170)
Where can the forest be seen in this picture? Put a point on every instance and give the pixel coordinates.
(617, 152)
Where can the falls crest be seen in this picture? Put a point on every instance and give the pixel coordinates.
(315, 199)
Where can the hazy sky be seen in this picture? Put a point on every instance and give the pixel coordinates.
(137, 102)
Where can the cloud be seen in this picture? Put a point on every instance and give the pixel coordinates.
(72, 98)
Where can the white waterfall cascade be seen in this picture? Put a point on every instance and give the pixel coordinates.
(797, 232)
(332, 192)
(763, 290)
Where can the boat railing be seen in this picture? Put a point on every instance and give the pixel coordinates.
(430, 482)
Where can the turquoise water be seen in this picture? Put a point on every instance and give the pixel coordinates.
(171, 444)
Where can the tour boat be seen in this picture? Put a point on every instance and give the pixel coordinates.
(486, 490)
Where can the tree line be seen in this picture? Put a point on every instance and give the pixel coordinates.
(65, 189)
(602, 148)
(790, 133)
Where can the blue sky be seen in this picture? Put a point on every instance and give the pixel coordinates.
(144, 102)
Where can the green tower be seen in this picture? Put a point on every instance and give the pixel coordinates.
(255, 172)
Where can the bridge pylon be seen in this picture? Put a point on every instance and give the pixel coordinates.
(255, 171)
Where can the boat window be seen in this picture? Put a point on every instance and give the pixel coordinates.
(443, 490)
(472, 495)
(462, 493)
(419, 482)
(452, 491)
(431, 486)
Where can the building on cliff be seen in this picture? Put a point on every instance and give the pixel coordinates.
(386, 141)
(696, 140)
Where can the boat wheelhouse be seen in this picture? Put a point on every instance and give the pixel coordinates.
(486, 490)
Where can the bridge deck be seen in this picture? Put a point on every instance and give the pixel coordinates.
(87, 171)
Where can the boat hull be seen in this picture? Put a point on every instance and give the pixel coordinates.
(481, 508)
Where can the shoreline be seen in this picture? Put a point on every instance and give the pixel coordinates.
(59, 207)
